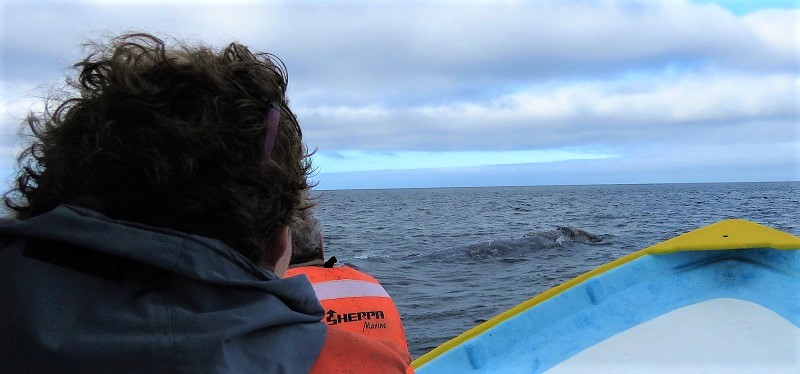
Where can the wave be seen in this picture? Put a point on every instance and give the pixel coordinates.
(373, 255)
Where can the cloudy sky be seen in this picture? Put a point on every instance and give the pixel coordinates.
(477, 93)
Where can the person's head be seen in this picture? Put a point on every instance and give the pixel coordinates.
(172, 136)
(307, 248)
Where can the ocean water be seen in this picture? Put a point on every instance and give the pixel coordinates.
(454, 257)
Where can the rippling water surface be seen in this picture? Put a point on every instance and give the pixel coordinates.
(455, 257)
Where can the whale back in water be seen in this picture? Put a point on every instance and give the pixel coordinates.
(567, 233)
(520, 247)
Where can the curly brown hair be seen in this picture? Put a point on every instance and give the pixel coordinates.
(171, 137)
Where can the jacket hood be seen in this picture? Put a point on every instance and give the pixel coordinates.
(192, 256)
(216, 311)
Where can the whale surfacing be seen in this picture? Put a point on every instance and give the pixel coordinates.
(568, 233)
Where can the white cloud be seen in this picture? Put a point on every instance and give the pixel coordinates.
(14, 109)
(481, 76)
(349, 51)
(646, 164)
(348, 161)
(655, 109)
(779, 29)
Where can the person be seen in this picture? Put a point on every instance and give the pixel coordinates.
(307, 246)
(154, 208)
(353, 300)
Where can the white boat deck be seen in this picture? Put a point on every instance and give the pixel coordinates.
(716, 336)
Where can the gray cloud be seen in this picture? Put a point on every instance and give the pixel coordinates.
(399, 48)
(435, 52)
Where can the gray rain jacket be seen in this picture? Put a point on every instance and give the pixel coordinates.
(83, 293)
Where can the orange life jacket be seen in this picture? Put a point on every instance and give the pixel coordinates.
(356, 303)
(349, 352)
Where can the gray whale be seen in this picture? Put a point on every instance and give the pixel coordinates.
(567, 233)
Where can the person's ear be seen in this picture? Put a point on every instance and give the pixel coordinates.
(278, 254)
